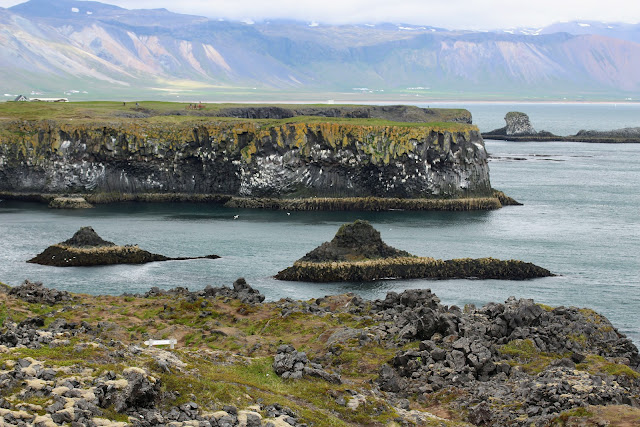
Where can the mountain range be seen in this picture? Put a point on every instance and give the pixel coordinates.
(91, 49)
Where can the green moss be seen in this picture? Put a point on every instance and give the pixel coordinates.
(545, 307)
(578, 339)
(525, 354)
(597, 365)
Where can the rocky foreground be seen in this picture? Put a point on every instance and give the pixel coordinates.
(69, 359)
(358, 254)
(87, 248)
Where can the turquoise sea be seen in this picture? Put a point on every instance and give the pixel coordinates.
(580, 219)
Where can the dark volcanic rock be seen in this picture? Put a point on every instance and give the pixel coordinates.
(289, 363)
(86, 248)
(358, 254)
(299, 159)
(353, 242)
(86, 237)
(241, 291)
(473, 352)
(38, 294)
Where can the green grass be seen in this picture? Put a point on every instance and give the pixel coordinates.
(244, 383)
(166, 113)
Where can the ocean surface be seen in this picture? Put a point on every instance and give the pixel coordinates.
(580, 219)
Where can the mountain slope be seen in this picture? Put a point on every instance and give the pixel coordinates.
(55, 45)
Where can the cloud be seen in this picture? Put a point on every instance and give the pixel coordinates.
(468, 14)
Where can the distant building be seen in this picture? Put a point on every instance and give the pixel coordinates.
(49, 100)
(21, 98)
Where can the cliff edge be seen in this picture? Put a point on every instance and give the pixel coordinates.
(283, 158)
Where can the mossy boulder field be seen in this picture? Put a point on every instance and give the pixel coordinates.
(339, 152)
(358, 254)
(238, 360)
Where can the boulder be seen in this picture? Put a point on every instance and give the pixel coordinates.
(292, 364)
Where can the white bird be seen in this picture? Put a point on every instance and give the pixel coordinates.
(236, 216)
(288, 213)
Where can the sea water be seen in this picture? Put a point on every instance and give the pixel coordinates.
(580, 219)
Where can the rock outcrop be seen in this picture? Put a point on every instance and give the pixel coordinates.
(476, 350)
(623, 135)
(354, 242)
(358, 254)
(36, 293)
(86, 248)
(520, 129)
(245, 158)
(289, 363)
(518, 124)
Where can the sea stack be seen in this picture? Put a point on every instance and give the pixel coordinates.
(358, 254)
(87, 248)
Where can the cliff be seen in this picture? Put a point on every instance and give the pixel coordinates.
(301, 156)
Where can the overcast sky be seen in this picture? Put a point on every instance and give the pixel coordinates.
(453, 14)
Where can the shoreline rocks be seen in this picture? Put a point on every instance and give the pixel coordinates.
(86, 248)
(519, 128)
(495, 201)
(357, 254)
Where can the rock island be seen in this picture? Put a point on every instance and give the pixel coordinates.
(358, 254)
(86, 248)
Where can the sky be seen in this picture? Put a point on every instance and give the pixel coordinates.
(452, 14)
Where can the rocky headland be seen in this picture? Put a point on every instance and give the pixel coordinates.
(253, 156)
(518, 128)
(358, 254)
(86, 248)
(406, 359)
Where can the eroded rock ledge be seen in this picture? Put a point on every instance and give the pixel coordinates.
(86, 248)
(246, 158)
(358, 254)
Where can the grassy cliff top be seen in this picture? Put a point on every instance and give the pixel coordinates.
(153, 112)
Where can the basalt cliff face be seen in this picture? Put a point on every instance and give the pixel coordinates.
(244, 158)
